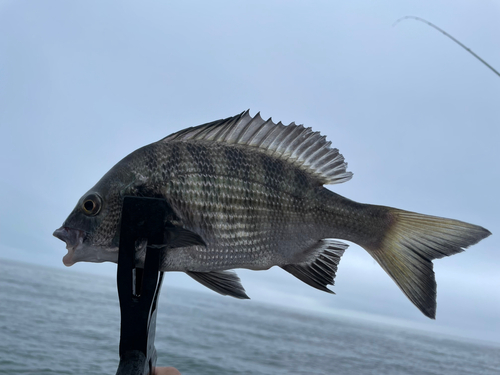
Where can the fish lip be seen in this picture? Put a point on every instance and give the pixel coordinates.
(73, 238)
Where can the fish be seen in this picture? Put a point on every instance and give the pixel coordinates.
(249, 193)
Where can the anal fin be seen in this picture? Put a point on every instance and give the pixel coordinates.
(226, 283)
(321, 271)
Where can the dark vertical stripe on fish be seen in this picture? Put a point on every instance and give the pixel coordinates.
(152, 158)
(299, 186)
(201, 160)
(239, 167)
(172, 163)
(271, 169)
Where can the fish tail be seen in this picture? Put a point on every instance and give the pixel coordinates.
(409, 244)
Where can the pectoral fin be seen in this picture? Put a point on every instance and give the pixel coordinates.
(226, 283)
(177, 236)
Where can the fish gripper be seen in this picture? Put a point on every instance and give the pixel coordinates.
(142, 219)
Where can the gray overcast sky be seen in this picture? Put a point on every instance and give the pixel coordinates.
(82, 84)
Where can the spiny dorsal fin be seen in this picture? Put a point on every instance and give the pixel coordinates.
(297, 145)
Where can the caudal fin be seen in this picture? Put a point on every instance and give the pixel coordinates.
(408, 247)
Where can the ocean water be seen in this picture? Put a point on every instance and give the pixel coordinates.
(62, 322)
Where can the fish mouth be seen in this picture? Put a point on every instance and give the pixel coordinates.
(73, 239)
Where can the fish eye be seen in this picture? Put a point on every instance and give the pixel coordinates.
(91, 205)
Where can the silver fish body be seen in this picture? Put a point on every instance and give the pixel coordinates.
(248, 193)
(252, 211)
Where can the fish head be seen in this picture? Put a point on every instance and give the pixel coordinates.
(92, 230)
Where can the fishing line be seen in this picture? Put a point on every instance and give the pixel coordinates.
(449, 36)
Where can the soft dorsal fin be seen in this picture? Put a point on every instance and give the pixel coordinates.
(295, 144)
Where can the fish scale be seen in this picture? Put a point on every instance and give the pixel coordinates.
(234, 225)
(248, 193)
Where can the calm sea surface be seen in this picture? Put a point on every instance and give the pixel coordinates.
(57, 322)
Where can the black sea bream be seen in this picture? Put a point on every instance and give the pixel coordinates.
(248, 193)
